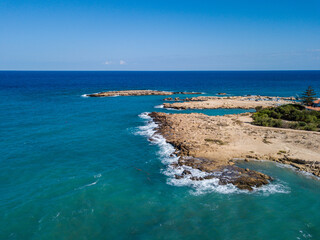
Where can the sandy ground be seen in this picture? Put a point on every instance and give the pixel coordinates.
(247, 102)
(223, 138)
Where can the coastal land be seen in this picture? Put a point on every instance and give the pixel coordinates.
(136, 93)
(212, 144)
(243, 102)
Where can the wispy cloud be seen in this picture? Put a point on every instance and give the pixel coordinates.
(107, 62)
(122, 62)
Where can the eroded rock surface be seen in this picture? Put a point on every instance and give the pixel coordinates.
(211, 143)
(242, 178)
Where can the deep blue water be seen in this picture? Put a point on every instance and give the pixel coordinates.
(82, 168)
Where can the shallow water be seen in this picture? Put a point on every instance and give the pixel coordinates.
(82, 168)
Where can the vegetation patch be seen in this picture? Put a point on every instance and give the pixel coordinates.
(293, 116)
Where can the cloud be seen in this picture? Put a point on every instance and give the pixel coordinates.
(107, 62)
(122, 62)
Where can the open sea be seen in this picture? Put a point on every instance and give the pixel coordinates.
(73, 167)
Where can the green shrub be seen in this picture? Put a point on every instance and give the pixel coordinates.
(302, 124)
(310, 127)
(287, 116)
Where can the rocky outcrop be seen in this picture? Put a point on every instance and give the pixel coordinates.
(227, 174)
(136, 93)
(212, 144)
(129, 93)
(246, 102)
(168, 99)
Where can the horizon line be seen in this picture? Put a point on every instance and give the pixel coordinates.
(246, 70)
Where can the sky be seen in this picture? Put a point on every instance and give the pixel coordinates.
(159, 35)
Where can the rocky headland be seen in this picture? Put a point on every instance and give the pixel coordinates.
(243, 102)
(136, 93)
(213, 143)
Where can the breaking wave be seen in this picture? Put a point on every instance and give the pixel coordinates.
(159, 106)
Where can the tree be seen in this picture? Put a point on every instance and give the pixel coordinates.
(308, 96)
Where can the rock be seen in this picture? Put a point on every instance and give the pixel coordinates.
(178, 176)
(196, 178)
(222, 94)
(186, 172)
(174, 165)
(168, 99)
(209, 177)
(243, 178)
(135, 93)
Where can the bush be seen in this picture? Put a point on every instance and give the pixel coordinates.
(302, 124)
(288, 116)
(310, 127)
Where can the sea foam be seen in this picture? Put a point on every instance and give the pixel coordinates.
(167, 157)
(159, 106)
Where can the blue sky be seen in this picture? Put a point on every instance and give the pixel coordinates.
(159, 35)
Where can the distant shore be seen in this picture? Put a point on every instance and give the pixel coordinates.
(243, 102)
(135, 93)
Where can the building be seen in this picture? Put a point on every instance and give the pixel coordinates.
(316, 103)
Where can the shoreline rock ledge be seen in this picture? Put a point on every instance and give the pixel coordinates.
(136, 93)
(212, 144)
(225, 171)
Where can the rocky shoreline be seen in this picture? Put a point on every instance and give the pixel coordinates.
(136, 93)
(242, 102)
(212, 144)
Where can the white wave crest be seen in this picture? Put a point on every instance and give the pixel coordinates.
(174, 109)
(272, 188)
(159, 106)
(167, 157)
(84, 95)
(145, 115)
(87, 185)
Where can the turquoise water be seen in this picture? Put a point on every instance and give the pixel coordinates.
(83, 168)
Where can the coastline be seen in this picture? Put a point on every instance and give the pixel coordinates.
(199, 181)
(136, 93)
(212, 144)
(242, 102)
(233, 137)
